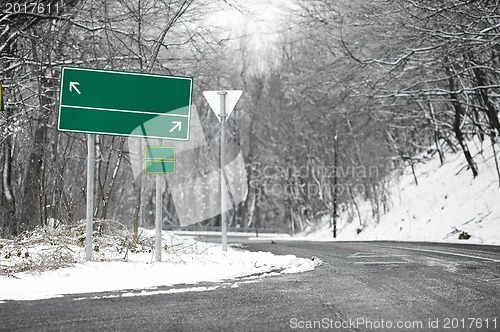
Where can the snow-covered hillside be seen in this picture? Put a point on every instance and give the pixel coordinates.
(446, 202)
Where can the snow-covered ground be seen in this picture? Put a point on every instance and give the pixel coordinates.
(446, 202)
(184, 261)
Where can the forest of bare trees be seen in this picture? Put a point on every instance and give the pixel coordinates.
(392, 82)
(351, 92)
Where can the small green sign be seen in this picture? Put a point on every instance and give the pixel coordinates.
(159, 160)
(160, 152)
(159, 167)
(107, 102)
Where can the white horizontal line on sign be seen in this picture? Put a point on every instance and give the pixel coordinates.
(124, 111)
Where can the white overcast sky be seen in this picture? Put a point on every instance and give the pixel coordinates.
(260, 18)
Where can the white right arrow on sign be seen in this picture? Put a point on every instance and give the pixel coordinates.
(213, 98)
(177, 125)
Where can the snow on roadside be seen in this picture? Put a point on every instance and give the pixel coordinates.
(190, 263)
(446, 202)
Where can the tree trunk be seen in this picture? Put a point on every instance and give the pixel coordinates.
(32, 181)
(10, 223)
(490, 110)
(137, 209)
(459, 113)
(111, 186)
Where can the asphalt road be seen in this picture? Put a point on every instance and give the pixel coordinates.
(363, 286)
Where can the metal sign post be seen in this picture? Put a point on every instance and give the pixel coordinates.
(222, 165)
(158, 215)
(159, 160)
(223, 103)
(90, 195)
(335, 181)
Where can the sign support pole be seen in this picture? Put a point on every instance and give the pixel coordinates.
(222, 166)
(90, 195)
(222, 103)
(335, 182)
(158, 215)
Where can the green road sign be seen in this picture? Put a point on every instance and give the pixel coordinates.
(160, 152)
(106, 102)
(159, 167)
(159, 160)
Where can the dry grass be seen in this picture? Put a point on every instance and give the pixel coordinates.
(46, 249)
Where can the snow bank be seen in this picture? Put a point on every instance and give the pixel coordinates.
(185, 261)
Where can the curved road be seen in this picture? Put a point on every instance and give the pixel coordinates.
(363, 286)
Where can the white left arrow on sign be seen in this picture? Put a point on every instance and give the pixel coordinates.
(72, 85)
(177, 125)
